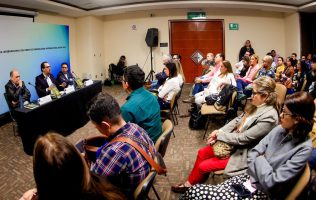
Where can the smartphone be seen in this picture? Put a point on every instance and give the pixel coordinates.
(241, 190)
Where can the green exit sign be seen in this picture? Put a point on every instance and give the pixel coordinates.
(233, 26)
(196, 15)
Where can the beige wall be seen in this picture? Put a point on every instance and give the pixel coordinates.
(90, 47)
(97, 42)
(266, 30)
(293, 34)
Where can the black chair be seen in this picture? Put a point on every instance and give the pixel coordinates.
(11, 114)
(142, 190)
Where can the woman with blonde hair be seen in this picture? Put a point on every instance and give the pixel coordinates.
(242, 133)
(61, 173)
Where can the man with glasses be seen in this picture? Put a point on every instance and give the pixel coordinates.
(16, 90)
(64, 76)
(45, 82)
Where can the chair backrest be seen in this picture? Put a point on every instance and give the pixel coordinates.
(163, 140)
(301, 184)
(143, 188)
(8, 103)
(281, 90)
(232, 99)
(173, 101)
(304, 84)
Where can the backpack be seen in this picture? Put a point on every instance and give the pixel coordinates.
(197, 120)
(221, 100)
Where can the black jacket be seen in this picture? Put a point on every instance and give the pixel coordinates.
(13, 93)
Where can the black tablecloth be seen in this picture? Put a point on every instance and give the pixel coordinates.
(63, 115)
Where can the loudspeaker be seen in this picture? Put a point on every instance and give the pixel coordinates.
(152, 37)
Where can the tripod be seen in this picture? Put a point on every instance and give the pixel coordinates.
(150, 76)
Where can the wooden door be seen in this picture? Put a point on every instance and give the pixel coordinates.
(188, 37)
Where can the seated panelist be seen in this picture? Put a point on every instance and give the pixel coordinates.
(45, 82)
(65, 76)
(16, 89)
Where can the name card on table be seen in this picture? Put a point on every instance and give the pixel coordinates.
(44, 99)
(69, 89)
(88, 82)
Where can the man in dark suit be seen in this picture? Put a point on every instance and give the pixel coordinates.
(45, 82)
(16, 90)
(64, 76)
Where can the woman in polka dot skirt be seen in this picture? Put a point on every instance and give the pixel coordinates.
(276, 163)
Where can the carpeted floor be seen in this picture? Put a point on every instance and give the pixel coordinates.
(16, 172)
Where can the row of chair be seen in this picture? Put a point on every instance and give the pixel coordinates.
(161, 145)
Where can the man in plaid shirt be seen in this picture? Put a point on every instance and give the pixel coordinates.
(120, 162)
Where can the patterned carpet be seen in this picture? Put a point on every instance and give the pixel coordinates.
(16, 172)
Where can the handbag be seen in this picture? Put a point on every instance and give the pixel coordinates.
(222, 150)
(91, 146)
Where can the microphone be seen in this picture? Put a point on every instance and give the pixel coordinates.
(37, 88)
(31, 84)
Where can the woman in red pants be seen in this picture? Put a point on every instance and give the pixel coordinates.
(243, 132)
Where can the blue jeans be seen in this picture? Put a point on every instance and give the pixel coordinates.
(241, 85)
(198, 87)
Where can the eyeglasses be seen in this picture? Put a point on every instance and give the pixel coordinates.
(283, 113)
(254, 93)
(47, 67)
(64, 67)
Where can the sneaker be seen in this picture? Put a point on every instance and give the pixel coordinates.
(189, 100)
(241, 96)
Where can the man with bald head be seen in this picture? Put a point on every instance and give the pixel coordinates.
(266, 69)
(16, 90)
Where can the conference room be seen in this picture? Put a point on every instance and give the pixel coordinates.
(89, 36)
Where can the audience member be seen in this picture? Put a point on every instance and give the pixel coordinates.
(280, 68)
(203, 81)
(293, 59)
(141, 106)
(226, 76)
(275, 57)
(45, 82)
(246, 64)
(299, 76)
(208, 63)
(16, 90)
(242, 82)
(287, 75)
(120, 162)
(266, 68)
(308, 61)
(170, 88)
(65, 76)
(311, 79)
(240, 65)
(121, 64)
(176, 58)
(246, 47)
(277, 162)
(161, 76)
(60, 172)
(243, 133)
